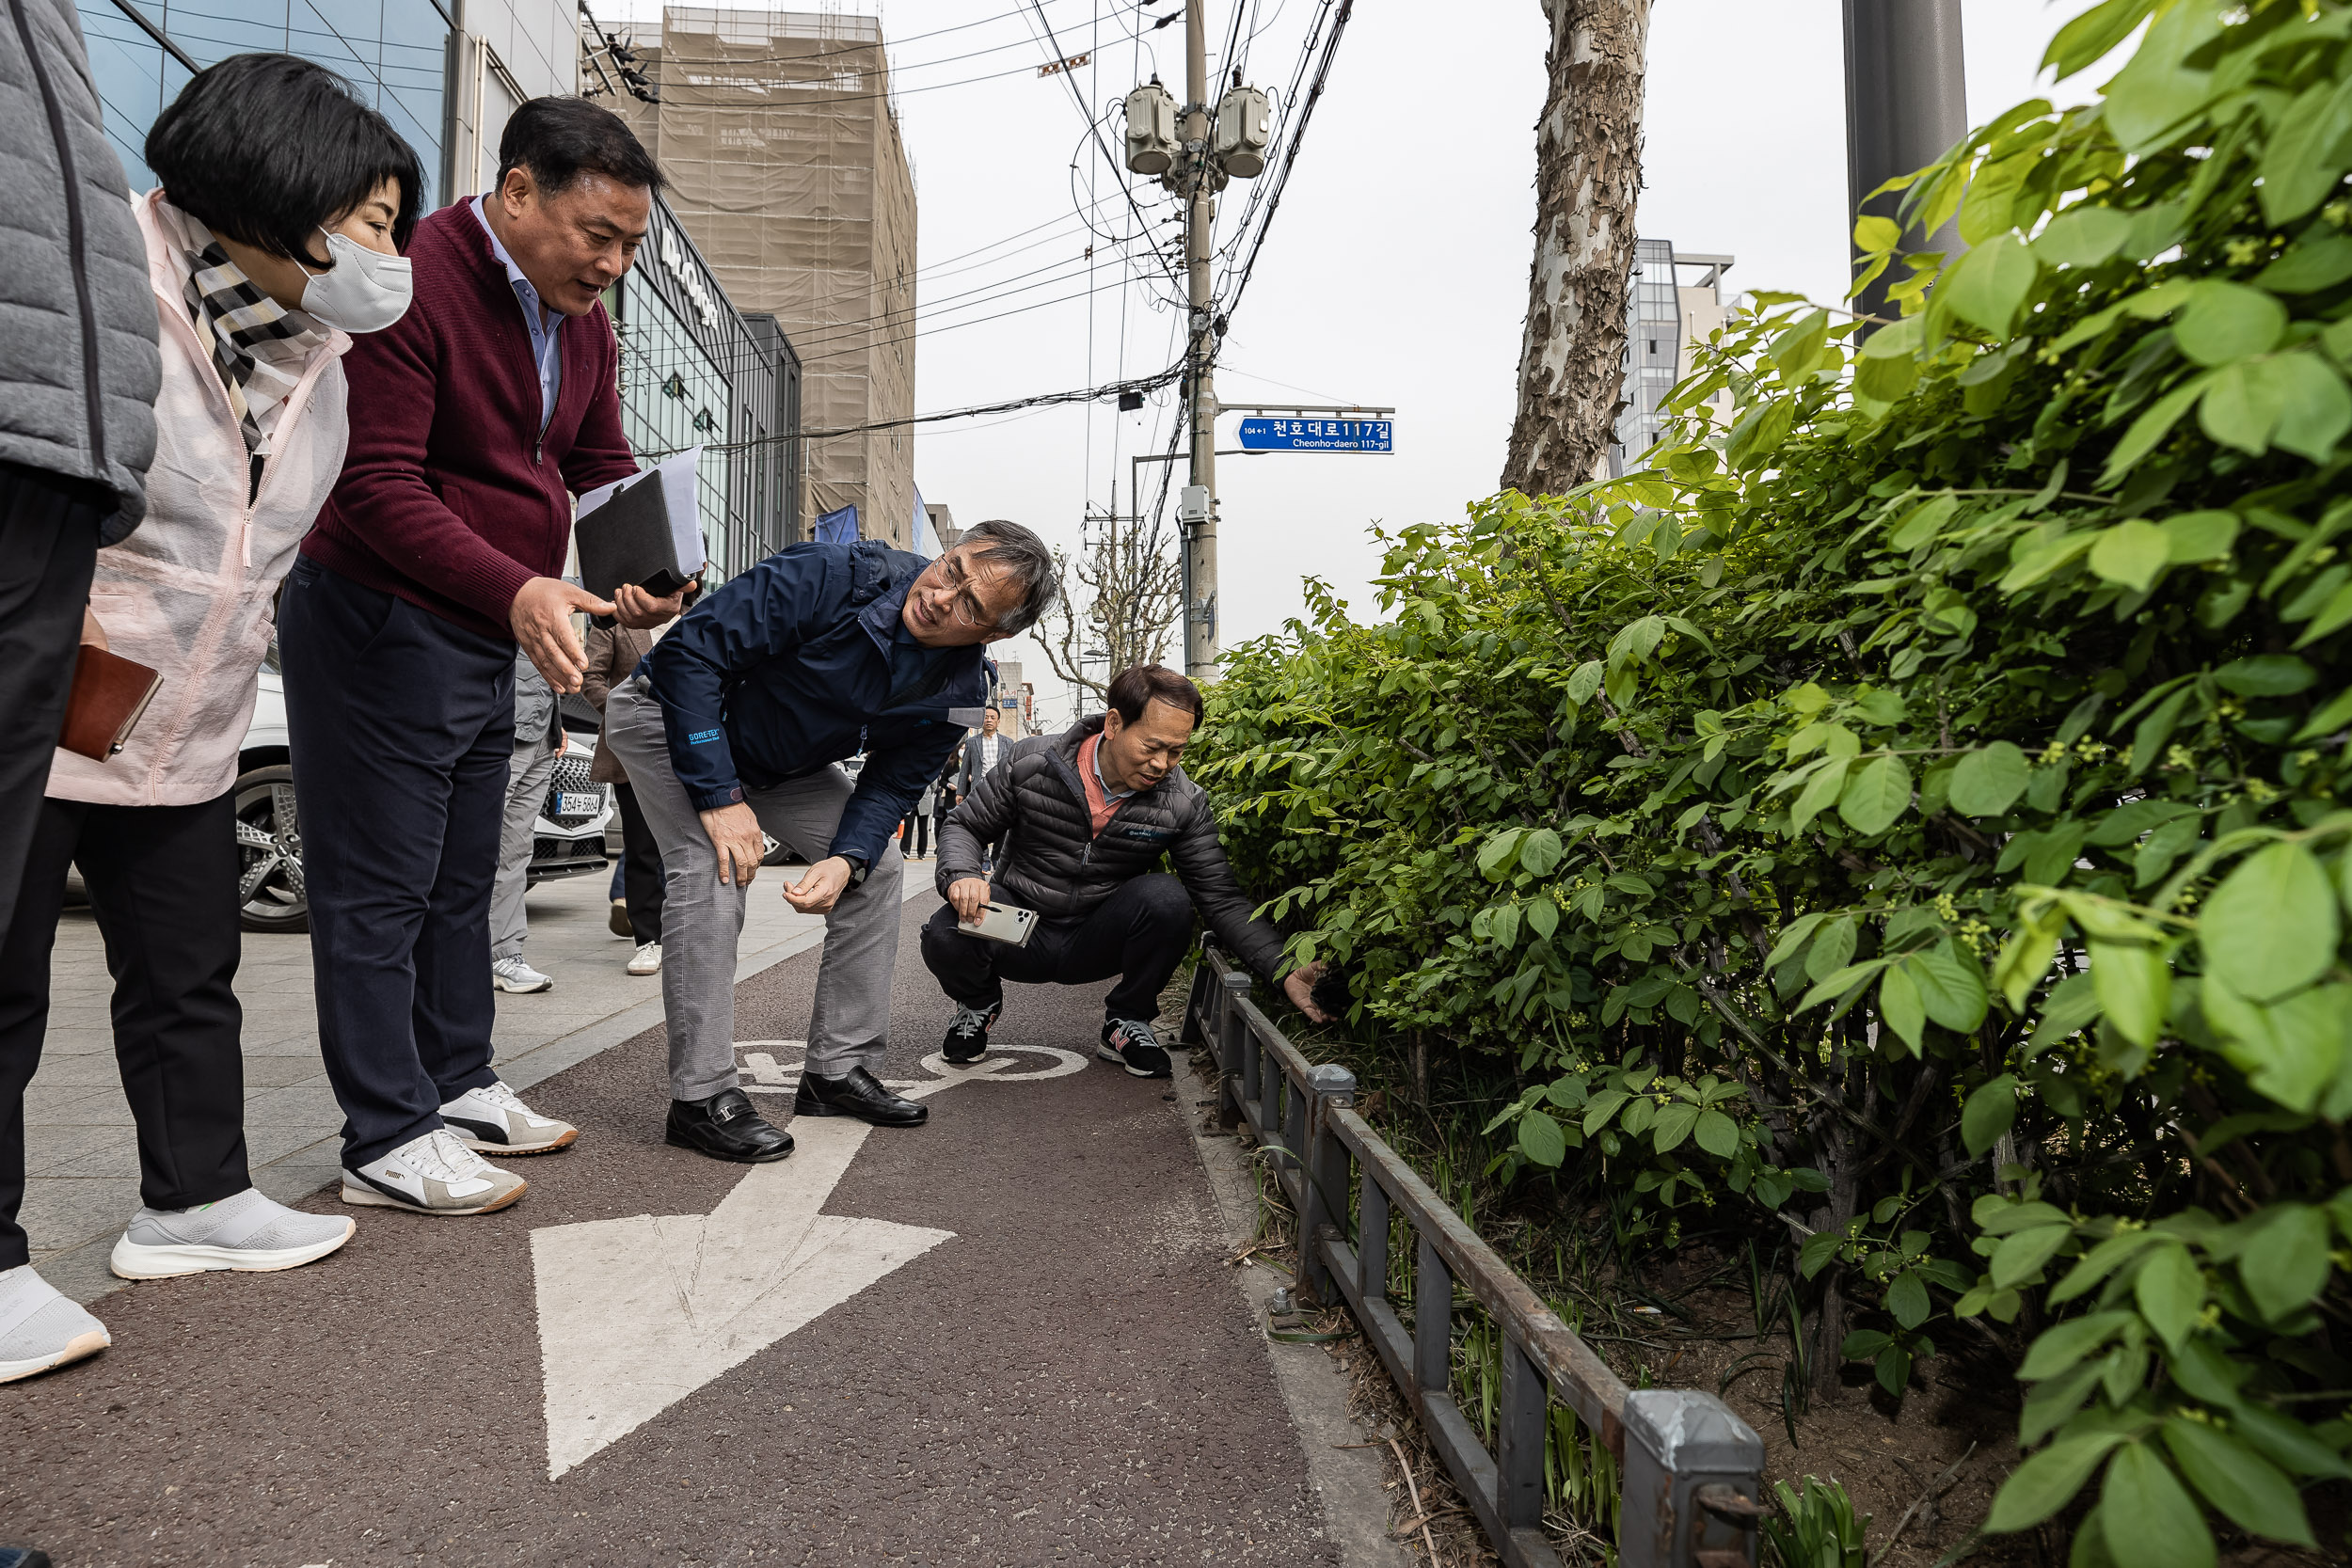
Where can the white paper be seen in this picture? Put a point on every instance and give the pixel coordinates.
(679, 499)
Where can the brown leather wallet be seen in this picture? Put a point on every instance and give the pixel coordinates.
(109, 694)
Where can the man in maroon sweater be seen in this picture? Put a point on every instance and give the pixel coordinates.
(474, 421)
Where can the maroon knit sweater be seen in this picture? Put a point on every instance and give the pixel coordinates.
(452, 497)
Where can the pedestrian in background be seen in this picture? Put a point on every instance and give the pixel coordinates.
(263, 252)
(78, 372)
(473, 424)
(916, 829)
(981, 753)
(614, 652)
(538, 741)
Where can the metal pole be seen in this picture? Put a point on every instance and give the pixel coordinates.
(1906, 104)
(1200, 649)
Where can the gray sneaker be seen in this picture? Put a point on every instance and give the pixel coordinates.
(40, 1329)
(247, 1232)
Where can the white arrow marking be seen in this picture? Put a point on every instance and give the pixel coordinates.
(635, 1314)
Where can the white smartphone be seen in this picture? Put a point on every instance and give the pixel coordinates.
(1006, 923)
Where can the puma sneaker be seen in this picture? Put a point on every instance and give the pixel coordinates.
(491, 1120)
(247, 1232)
(41, 1328)
(1135, 1044)
(432, 1174)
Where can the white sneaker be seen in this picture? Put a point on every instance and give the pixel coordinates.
(648, 960)
(41, 1328)
(515, 976)
(432, 1174)
(247, 1232)
(492, 1120)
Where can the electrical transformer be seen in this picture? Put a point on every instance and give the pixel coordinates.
(1192, 504)
(1152, 145)
(1244, 125)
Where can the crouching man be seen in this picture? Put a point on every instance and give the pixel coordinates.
(1089, 814)
(734, 723)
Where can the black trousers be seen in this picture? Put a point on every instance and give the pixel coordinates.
(48, 551)
(401, 726)
(641, 867)
(1139, 933)
(163, 883)
(915, 831)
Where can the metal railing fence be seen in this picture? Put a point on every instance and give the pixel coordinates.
(1691, 1469)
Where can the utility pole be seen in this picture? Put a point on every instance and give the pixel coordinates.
(1906, 104)
(1199, 529)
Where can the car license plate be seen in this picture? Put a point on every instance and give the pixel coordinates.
(579, 802)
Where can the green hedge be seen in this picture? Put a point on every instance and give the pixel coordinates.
(1911, 817)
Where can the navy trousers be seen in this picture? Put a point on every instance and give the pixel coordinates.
(401, 726)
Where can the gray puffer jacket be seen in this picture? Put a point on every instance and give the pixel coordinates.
(78, 366)
(1057, 867)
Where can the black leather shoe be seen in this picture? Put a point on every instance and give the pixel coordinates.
(856, 1093)
(726, 1127)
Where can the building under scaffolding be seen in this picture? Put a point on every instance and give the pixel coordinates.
(776, 132)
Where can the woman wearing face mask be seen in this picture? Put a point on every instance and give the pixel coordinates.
(274, 237)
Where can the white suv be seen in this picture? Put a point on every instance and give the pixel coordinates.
(569, 835)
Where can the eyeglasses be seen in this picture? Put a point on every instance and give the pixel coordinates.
(967, 610)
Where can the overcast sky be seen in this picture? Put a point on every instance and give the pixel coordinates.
(1395, 272)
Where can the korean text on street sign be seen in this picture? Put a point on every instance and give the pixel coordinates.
(1315, 434)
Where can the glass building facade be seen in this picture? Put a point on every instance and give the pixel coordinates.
(395, 52)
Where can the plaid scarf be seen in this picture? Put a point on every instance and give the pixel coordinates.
(258, 345)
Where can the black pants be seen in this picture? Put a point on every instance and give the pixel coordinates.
(640, 868)
(48, 551)
(401, 726)
(917, 831)
(1139, 933)
(163, 883)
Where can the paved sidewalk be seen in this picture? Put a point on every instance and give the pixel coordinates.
(1007, 1339)
(80, 1150)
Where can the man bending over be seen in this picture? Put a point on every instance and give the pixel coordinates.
(734, 723)
(1089, 812)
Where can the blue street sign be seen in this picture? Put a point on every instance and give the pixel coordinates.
(1319, 432)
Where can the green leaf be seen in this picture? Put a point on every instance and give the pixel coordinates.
(2083, 40)
(1950, 986)
(1674, 1124)
(1833, 950)
(1886, 378)
(2225, 322)
(1989, 1112)
(2304, 155)
(2061, 1346)
(2147, 431)
(1498, 852)
(1539, 851)
(1899, 1006)
(1821, 792)
(2132, 553)
(1717, 1133)
(1872, 234)
(2265, 675)
(1986, 782)
(1989, 284)
(1505, 926)
(2170, 1290)
(2270, 927)
(2243, 405)
(2318, 409)
(1792, 938)
(1798, 350)
(2311, 266)
(2083, 236)
(1603, 1106)
(2242, 1485)
(2148, 1516)
(2019, 1257)
(2048, 1480)
(2290, 1050)
(2135, 988)
(1636, 641)
(1907, 1298)
(1541, 1140)
(2195, 536)
(2287, 1263)
(1877, 796)
(1583, 681)
(2099, 1263)
(1542, 916)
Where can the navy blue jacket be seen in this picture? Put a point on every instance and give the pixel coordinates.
(785, 671)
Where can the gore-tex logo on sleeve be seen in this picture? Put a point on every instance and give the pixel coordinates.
(701, 738)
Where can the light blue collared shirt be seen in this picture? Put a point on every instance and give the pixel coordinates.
(547, 344)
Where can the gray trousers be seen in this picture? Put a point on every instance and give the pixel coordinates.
(702, 919)
(527, 777)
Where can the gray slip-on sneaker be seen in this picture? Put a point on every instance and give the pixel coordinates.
(41, 1328)
(247, 1232)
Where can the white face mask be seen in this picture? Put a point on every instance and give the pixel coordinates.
(366, 291)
